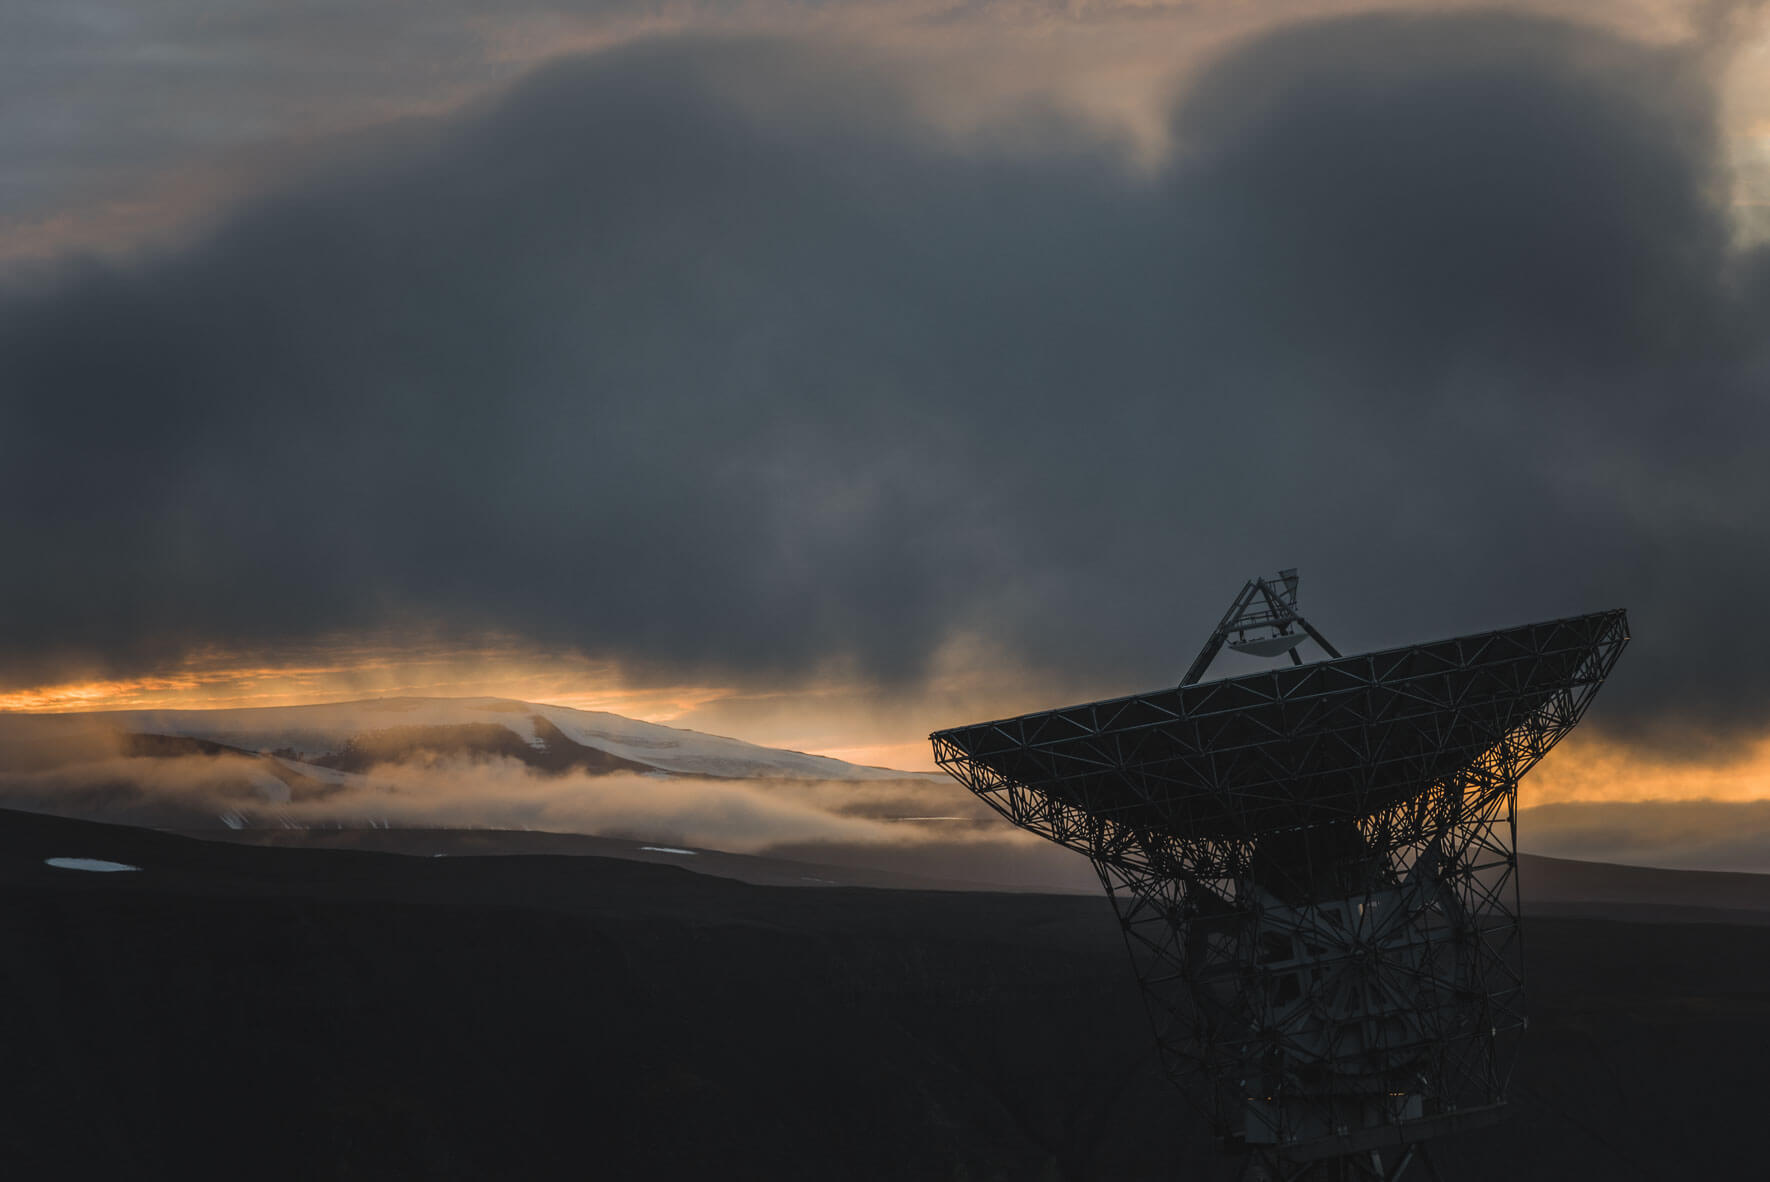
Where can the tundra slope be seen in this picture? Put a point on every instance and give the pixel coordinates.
(332, 1013)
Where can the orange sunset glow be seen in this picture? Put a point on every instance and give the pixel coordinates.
(820, 719)
(341, 672)
(808, 720)
(506, 504)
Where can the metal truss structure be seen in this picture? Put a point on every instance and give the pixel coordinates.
(1268, 609)
(1315, 869)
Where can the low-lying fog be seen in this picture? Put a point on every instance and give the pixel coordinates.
(923, 825)
(913, 825)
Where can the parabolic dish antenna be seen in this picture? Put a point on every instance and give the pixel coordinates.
(1315, 868)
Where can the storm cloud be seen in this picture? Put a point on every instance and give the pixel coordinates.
(711, 356)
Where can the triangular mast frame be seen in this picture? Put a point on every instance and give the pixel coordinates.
(1262, 603)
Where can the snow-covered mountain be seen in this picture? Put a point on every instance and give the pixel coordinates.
(448, 763)
(324, 734)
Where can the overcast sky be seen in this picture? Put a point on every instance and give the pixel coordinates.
(861, 346)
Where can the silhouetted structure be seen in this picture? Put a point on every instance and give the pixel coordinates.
(1315, 868)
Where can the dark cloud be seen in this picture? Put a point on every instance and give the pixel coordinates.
(703, 356)
(1684, 834)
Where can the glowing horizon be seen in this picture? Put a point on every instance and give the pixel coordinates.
(818, 719)
(974, 307)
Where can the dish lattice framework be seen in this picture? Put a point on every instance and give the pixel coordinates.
(1315, 869)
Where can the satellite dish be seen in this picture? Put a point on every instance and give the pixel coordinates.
(1314, 867)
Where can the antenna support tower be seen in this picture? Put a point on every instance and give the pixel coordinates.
(1315, 868)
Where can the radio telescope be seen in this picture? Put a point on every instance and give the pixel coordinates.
(1315, 868)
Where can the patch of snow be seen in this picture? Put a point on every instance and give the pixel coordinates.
(314, 771)
(233, 820)
(673, 750)
(98, 865)
(527, 731)
(268, 787)
(666, 849)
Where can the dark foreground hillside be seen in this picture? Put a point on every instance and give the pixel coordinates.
(321, 1013)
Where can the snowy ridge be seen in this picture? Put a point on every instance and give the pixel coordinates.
(676, 750)
(310, 732)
